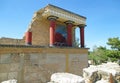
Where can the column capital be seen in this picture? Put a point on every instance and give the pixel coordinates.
(69, 22)
(82, 26)
(52, 17)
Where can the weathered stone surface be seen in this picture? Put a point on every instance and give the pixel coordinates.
(102, 81)
(5, 40)
(76, 63)
(5, 58)
(15, 58)
(3, 77)
(90, 74)
(10, 81)
(14, 67)
(4, 68)
(40, 29)
(34, 58)
(66, 78)
(113, 68)
(28, 63)
(37, 66)
(27, 57)
(12, 75)
(108, 71)
(30, 77)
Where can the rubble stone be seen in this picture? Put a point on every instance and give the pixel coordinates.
(107, 71)
(10, 81)
(66, 78)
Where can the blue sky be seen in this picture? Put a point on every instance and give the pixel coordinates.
(103, 17)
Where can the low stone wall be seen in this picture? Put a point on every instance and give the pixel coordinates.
(31, 64)
(11, 41)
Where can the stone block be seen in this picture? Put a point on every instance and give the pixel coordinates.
(5, 58)
(12, 75)
(3, 77)
(14, 67)
(10, 81)
(27, 57)
(66, 78)
(77, 62)
(31, 69)
(15, 58)
(31, 77)
(4, 68)
(34, 58)
(27, 63)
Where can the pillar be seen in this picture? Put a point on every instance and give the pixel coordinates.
(73, 37)
(52, 20)
(82, 35)
(28, 38)
(69, 32)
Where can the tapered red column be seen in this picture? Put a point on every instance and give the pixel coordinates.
(52, 30)
(82, 35)
(28, 38)
(69, 32)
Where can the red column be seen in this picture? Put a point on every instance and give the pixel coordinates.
(52, 31)
(82, 36)
(69, 34)
(28, 38)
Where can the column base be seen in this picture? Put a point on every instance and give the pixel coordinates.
(52, 45)
(29, 43)
(82, 46)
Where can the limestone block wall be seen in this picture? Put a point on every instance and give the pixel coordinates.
(9, 66)
(11, 41)
(37, 67)
(40, 32)
(39, 27)
(77, 62)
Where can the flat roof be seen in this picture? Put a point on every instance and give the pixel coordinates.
(65, 10)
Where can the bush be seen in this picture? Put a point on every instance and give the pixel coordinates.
(103, 55)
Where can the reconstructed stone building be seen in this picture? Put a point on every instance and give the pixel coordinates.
(47, 47)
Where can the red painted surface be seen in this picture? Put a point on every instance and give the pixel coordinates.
(28, 38)
(52, 31)
(82, 36)
(69, 34)
(59, 38)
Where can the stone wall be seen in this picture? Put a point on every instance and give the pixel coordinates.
(36, 65)
(40, 33)
(11, 41)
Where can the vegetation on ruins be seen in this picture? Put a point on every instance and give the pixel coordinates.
(102, 54)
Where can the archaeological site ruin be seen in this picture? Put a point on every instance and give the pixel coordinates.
(48, 46)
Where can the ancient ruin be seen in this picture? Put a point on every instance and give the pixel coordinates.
(47, 47)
